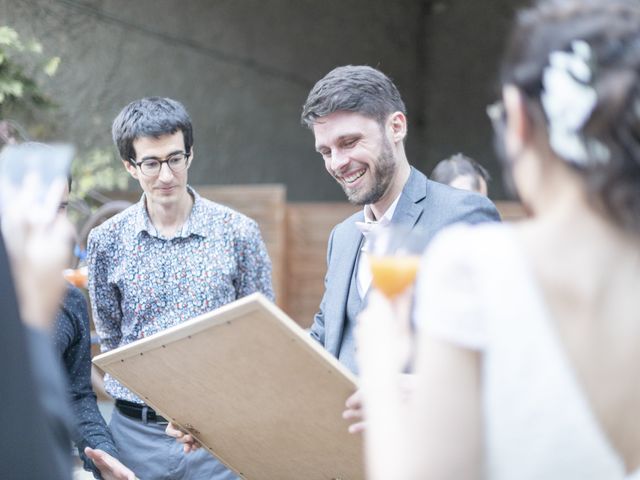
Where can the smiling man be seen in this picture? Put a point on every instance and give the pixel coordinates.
(359, 122)
(172, 256)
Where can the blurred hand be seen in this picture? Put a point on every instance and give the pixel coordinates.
(384, 336)
(354, 406)
(384, 340)
(110, 468)
(355, 413)
(189, 444)
(39, 248)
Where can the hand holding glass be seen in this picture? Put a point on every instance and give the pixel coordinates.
(394, 258)
(32, 180)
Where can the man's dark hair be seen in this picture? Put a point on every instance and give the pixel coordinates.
(459, 165)
(353, 88)
(150, 117)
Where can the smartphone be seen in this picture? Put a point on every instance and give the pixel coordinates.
(33, 177)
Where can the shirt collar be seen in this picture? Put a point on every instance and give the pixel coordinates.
(195, 223)
(370, 225)
(386, 218)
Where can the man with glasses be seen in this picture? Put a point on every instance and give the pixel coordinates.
(168, 258)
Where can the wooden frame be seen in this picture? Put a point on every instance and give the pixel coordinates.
(252, 387)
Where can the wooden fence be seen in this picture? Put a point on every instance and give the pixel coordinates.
(296, 237)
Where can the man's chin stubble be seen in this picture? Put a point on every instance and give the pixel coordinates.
(361, 200)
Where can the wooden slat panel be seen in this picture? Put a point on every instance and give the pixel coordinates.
(511, 211)
(296, 236)
(308, 229)
(266, 204)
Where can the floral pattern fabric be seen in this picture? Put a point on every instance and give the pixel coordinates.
(141, 283)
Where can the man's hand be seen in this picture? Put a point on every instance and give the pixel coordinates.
(110, 468)
(354, 412)
(189, 444)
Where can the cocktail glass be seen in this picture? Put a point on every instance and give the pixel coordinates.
(394, 258)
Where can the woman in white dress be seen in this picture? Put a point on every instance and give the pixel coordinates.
(528, 342)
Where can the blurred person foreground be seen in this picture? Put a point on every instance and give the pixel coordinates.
(527, 341)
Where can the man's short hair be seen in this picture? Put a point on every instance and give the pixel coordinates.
(150, 117)
(353, 88)
(459, 165)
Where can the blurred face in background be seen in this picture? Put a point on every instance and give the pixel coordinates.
(470, 183)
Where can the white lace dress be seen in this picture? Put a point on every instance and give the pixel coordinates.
(478, 292)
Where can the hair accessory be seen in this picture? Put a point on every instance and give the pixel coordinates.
(568, 99)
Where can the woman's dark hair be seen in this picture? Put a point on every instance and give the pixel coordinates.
(611, 31)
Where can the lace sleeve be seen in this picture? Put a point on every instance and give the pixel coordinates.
(448, 298)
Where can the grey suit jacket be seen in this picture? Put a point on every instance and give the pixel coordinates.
(423, 203)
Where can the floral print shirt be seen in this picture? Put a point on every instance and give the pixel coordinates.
(141, 283)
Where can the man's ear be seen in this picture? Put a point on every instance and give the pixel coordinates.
(397, 124)
(133, 171)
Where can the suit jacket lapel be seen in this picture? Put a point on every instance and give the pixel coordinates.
(408, 211)
(345, 252)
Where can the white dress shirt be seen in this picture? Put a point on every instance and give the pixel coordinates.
(367, 228)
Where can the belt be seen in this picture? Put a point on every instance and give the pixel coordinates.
(140, 412)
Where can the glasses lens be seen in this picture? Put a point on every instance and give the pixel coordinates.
(496, 113)
(150, 167)
(178, 162)
(498, 117)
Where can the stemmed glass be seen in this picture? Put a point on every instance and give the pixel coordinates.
(394, 257)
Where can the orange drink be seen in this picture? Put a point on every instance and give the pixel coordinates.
(77, 277)
(393, 274)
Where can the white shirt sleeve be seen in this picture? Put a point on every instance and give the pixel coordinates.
(448, 295)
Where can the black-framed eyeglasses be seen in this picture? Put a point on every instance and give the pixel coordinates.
(63, 206)
(152, 166)
(497, 114)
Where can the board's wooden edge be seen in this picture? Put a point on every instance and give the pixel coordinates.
(226, 313)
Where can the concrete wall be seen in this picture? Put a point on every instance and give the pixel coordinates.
(465, 41)
(243, 69)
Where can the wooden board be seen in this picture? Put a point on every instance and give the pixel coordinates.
(308, 228)
(252, 387)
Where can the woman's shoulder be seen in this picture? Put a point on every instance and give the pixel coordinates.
(456, 271)
(465, 241)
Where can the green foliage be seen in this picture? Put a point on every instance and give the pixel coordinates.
(22, 101)
(20, 93)
(97, 170)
